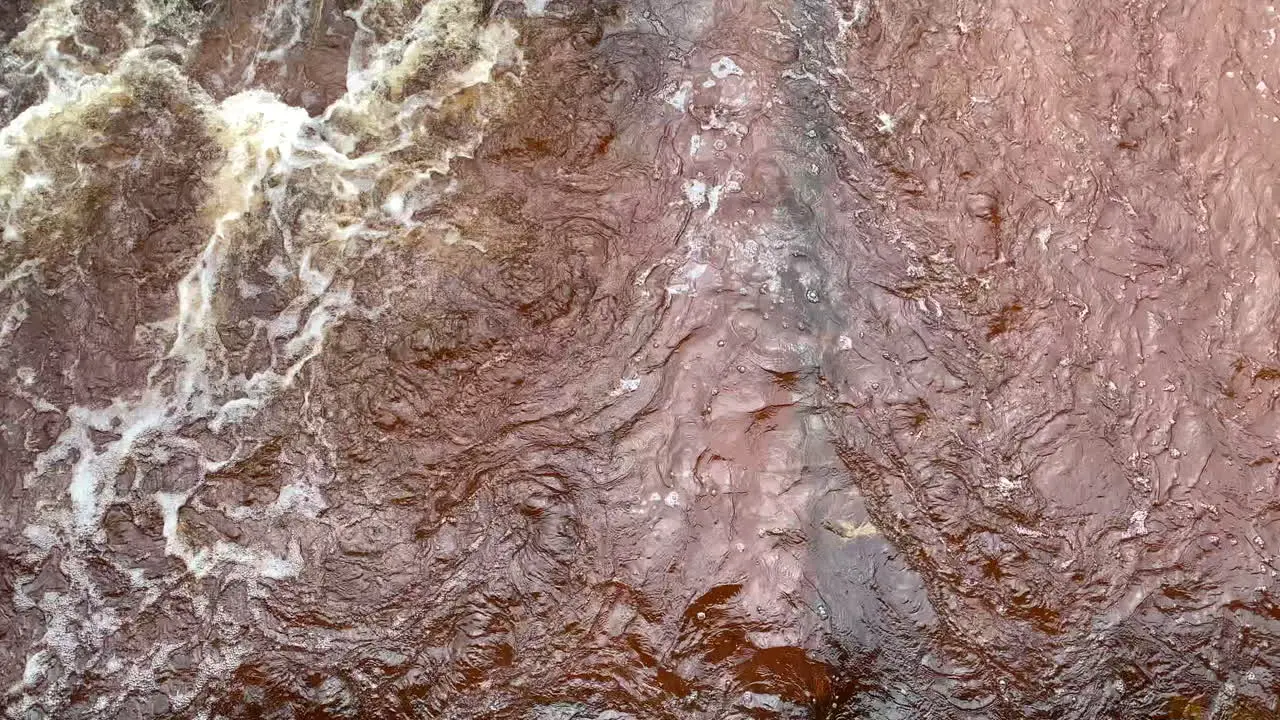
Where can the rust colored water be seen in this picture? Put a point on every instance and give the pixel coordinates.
(874, 359)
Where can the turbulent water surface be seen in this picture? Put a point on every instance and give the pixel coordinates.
(627, 360)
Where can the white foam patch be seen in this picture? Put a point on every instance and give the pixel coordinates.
(442, 29)
(282, 31)
(691, 271)
(40, 536)
(200, 561)
(724, 67)
(301, 499)
(259, 132)
(732, 183)
(443, 24)
(19, 309)
(678, 98)
(695, 192)
(626, 385)
(268, 148)
(265, 141)
(1137, 524)
(53, 27)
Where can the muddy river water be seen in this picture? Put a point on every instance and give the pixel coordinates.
(627, 360)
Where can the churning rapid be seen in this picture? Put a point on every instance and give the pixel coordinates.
(627, 360)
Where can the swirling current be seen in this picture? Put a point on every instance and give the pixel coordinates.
(639, 359)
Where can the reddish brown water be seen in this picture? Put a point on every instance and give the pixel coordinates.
(599, 361)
